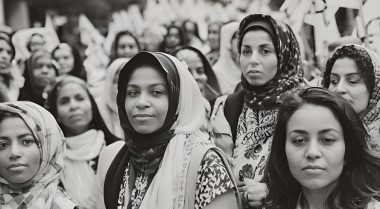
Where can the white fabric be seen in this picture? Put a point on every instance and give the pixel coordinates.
(226, 71)
(77, 175)
(107, 104)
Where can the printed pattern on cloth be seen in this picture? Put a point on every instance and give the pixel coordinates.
(254, 138)
(212, 180)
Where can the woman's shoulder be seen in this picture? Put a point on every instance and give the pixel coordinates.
(108, 154)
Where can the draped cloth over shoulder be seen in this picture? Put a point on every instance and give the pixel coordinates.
(44, 191)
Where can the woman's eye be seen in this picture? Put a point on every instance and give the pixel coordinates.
(354, 81)
(328, 140)
(132, 93)
(3, 145)
(246, 52)
(157, 92)
(265, 51)
(334, 82)
(27, 141)
(299, 140)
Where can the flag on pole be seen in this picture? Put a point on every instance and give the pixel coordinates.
(354, 4)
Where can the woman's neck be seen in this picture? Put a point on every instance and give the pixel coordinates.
(75, 132)
(315, 198)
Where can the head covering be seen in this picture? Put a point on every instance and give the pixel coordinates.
(212, 89)
(289, 71)
(7, 38)
(369, 68)
(107, 105)
(44, 191)
(185, 117)
(97, 122)
(226, 71)
(78, 68)
(29, 91)
(362, 58)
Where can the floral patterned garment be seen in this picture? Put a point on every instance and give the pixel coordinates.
(212, 181)
(254, 138)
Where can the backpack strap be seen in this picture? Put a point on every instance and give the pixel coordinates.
(197, 156)
(232, 109)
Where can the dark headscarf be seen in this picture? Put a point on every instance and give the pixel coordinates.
(163, 46)
(147, 149)
(97, 122)
(78, 68)
(212, 89)
(289, 71)
(29, 91)
(362, 60)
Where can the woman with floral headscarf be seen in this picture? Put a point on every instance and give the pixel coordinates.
(242, 123)
(31, 158)
(166, 161)
(354, 73)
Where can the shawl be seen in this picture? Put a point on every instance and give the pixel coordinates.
(167, 187)
(226, 71)
(78, 174)
(371, 116)
(289, 71)
(44, 191)
(107, 104)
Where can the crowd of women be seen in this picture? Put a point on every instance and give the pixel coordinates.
(174, 126)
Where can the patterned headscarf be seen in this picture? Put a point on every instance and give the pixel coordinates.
(289, 71)
(44, 191)
(368, 63)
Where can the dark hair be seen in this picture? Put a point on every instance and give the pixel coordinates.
(357, 184)
(196, 30)
(212, 89)
(78, 68)
(97, 120)
(116, 41)
(181, 37)
(363, 62)
(30, 40)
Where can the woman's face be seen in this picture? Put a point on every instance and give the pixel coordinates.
(213, 36)
(315, 147)
(19, 154)
(127, 47)
(5, 54)
(147, 100)
(65, 59)
(173, 38)
(346, 81)
(258, 59)
(37, 42)
(74, 109)
(196, 68)
(43, 72)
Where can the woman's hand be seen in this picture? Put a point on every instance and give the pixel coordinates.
(254, 192)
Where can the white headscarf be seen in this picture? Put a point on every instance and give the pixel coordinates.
(226, 71)
(107, 105)
(165, 190)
